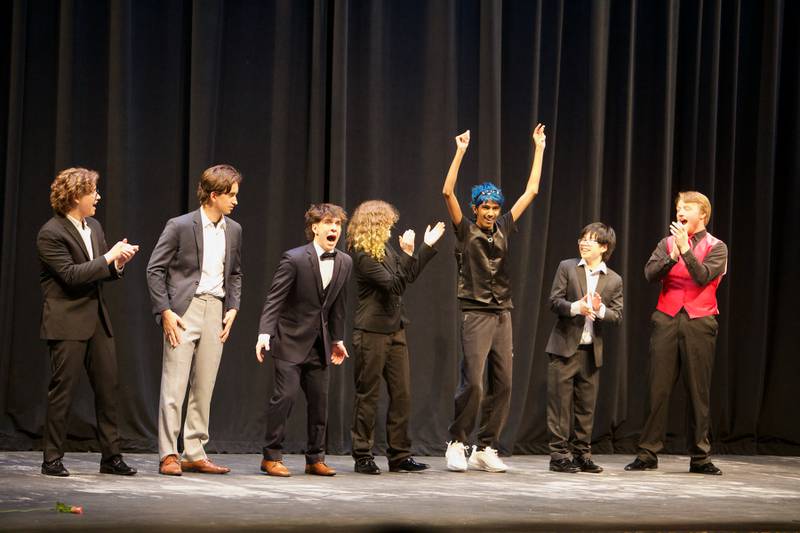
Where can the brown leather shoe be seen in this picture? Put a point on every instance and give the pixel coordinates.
(170, 466)
(274, 468)
(203, 466)
(320, 469)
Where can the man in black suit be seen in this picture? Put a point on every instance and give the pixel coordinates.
(75, 262)
(586, 295)
(379, 339)
(302, 325)
(195, 281)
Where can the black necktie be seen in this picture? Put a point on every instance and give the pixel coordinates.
(327, 255)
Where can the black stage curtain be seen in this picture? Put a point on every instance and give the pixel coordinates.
(346, 101)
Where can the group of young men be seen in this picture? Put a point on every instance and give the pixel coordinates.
(195, 281)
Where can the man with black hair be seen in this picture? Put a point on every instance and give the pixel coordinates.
(586, 295)
(484, 297)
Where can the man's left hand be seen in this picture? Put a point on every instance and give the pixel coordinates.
(338, 353)
(227, 323)
(681, 236)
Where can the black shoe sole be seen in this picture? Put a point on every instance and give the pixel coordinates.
(645, 466)
(56, 474)
(405, 471)
(559, 470)
(114, 472)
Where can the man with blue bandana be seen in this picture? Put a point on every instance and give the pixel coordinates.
(484, 296)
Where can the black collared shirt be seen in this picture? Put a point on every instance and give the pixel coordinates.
(714, 263)
(482, 258)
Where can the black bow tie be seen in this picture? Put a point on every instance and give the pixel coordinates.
(327, 255)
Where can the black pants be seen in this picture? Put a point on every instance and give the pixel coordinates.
(376, 355)
(486, 338)
(312, 376)
(67, 359)
(680, 344)
(572, 385)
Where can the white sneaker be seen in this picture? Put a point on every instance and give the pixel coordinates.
(487, 460)
(456, 457)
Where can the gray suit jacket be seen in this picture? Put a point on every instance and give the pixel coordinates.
(173, 272)
(569, 285)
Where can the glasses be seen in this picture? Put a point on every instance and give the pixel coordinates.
(588, 242)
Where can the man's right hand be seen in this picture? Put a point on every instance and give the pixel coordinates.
(462, 141)
(121, 253)
(262, 346)
(173, 324)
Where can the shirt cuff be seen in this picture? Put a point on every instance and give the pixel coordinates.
(602, 311)
(263, 338)
(575, 308)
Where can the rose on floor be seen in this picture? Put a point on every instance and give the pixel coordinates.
(64, 508)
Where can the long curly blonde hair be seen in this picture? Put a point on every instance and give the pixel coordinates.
(371, 227)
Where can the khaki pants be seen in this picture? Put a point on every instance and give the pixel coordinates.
(194, 362)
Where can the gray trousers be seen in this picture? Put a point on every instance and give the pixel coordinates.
(572, 384)
(194, 362)
(486, 338)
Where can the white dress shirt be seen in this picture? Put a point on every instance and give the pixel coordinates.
(85, 232)
(325, 267)
(212, 275)
(592, 277)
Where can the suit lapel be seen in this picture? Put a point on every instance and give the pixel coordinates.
(580, 271)
(337, 272)
(601, 283)
(73, 232)
(227, 266)
(313, 262)
(198, 237)
(95, 244)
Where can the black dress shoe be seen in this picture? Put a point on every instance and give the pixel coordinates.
(366, 465)
(115, 465)
(563, 465)
(54, 468)
(408, 465)
(639, 465)
(705, 468)
(585, 464)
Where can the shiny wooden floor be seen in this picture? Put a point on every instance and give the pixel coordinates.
(755, 493)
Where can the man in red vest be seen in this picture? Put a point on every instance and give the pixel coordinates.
(689, 264)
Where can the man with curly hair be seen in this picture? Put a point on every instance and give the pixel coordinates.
(75, 262)
(484, 296)
(302, 326)
(379, 337)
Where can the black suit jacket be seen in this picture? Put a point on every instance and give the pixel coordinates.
(72, 285)
(297, 310)
(381, 286)
(569, 285)
(175, 266)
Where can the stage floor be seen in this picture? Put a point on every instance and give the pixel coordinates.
(755, 493)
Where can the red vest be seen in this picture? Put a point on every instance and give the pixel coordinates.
(679, 290)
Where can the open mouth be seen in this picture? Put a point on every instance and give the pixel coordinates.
(331, 238)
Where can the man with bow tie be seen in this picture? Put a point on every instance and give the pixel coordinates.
(302, 326)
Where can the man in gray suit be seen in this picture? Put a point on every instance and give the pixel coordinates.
(195, 281)
(586, 295)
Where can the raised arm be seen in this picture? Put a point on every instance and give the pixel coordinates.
(462, 142)
(532, 188)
